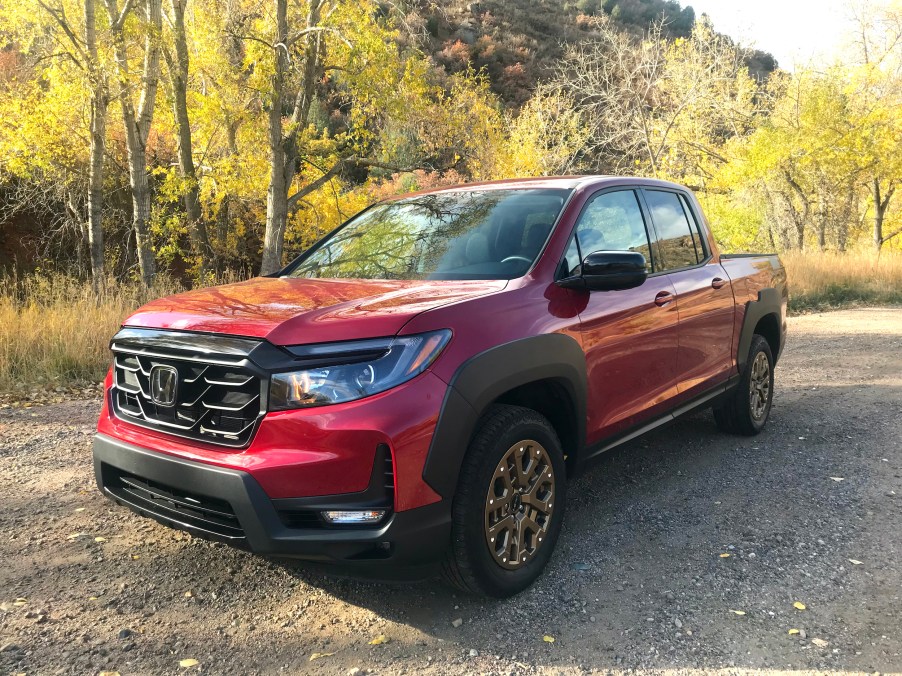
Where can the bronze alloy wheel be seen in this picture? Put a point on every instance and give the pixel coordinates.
(759, 386)
(519, 504)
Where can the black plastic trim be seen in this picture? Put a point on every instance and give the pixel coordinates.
(704, 399)
(413, 537)
(769, 303)
(483, 378)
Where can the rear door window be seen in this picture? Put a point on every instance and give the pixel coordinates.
(676, 243)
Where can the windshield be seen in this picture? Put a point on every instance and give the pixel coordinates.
(484, 234)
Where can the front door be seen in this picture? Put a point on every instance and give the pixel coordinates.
(629, 336)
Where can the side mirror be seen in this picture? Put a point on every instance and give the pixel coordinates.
(609, 271)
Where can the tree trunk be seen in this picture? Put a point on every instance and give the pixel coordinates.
(283, 148)
(178, 74)
(800, 220)
(881, 204)
(99, 102)
(137, 124)
(277, 195)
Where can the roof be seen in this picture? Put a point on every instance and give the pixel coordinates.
(540, 182)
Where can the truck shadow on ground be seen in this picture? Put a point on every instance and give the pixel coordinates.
(639, 562)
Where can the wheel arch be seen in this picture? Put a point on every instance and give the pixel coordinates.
(762, 316)
(768, 327)
(546, 373)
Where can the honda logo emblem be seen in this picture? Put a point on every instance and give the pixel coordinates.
(164, 385)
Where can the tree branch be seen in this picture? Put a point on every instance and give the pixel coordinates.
(123, 15)
(316, 29)
(61, 21)
(335, 170)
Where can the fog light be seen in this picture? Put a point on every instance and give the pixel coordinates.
(357, 516)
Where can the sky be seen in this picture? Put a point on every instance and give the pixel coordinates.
(796, 32)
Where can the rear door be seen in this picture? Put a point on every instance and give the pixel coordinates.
(629, 336)
(703, 290)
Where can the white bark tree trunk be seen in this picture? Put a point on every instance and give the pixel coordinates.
(99, 102)
(178, 75)
(138, 122)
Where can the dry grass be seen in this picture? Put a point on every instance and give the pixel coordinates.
(55, 331)
(821, 281)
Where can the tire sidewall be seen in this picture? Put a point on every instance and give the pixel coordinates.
(498, 581)
(758, 346)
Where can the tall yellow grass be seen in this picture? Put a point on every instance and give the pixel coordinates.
(821, 281)
(55, 331)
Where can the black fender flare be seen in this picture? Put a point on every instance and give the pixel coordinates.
(768, 303)
(483, 378)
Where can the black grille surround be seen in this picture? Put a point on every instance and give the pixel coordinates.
(222, 386)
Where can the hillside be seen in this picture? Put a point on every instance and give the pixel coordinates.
(517, 42)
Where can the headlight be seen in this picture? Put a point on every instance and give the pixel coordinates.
(353, 370)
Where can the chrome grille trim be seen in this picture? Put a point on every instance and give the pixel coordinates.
(221, 398)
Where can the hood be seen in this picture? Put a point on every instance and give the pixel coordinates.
(297, 311)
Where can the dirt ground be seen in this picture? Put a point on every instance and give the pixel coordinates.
(809, 512)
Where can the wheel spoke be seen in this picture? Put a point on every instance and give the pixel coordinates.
(502, 524)
(521, 480)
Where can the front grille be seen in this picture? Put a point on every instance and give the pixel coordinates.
(209, 516)
(218, 399)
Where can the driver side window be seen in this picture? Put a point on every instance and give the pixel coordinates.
(611, 221)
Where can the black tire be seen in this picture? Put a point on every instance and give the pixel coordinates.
(737, 413)
(470, 565)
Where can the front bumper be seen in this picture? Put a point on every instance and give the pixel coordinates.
(229, 505)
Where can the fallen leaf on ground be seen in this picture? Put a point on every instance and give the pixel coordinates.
(738, 612)
(725, 556)
(135, 557)
(109, 673)
(99, 539)
(793, 632)
(75, 535)
(316, 656)
(81, 509)
(190, 662)
(379, 640)
(837, 478)
(20, 602)
(819, 642)
(188, 594)
(855, 562)
(798, 605)
(548, 639)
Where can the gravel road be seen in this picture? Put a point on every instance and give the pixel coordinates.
(685, 551)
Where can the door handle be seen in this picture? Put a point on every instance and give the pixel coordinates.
(718, 283)
(664, 297)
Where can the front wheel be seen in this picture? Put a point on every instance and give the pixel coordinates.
(747, 408)
(509, 504)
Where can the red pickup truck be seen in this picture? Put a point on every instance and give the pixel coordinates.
(415, 391)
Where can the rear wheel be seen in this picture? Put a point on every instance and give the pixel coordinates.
(509, 504)
(747, 408)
